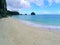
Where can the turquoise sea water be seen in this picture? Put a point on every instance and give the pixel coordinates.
(41, 19)
(49, 20)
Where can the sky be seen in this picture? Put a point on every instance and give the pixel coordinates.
(37, 6)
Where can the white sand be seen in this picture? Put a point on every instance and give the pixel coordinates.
(13, 32)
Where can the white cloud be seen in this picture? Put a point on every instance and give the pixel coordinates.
(37, 2)
(18, 4)
(24, 3)
(53, 1)
(57, 1)
(50, 2)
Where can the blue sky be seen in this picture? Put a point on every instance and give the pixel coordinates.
(37, 6)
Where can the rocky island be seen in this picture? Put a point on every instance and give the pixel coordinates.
(32, 13)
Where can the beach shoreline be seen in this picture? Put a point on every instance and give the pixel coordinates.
(36, 25)
(14, 32)
(41, 21)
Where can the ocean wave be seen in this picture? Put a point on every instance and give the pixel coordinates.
(39, 25)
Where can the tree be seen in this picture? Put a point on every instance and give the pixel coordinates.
(11, 13)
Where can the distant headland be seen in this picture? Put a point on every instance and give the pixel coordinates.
(3, 10)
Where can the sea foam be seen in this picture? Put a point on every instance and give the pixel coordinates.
(39, 25)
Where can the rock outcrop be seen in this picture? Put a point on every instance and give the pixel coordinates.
(32, 13)
(3, 8)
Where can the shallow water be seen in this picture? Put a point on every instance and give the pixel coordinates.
(41, 19)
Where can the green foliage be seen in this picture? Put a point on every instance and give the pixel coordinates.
(11, 13)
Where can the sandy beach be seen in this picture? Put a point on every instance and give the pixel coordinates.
(14, 32)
